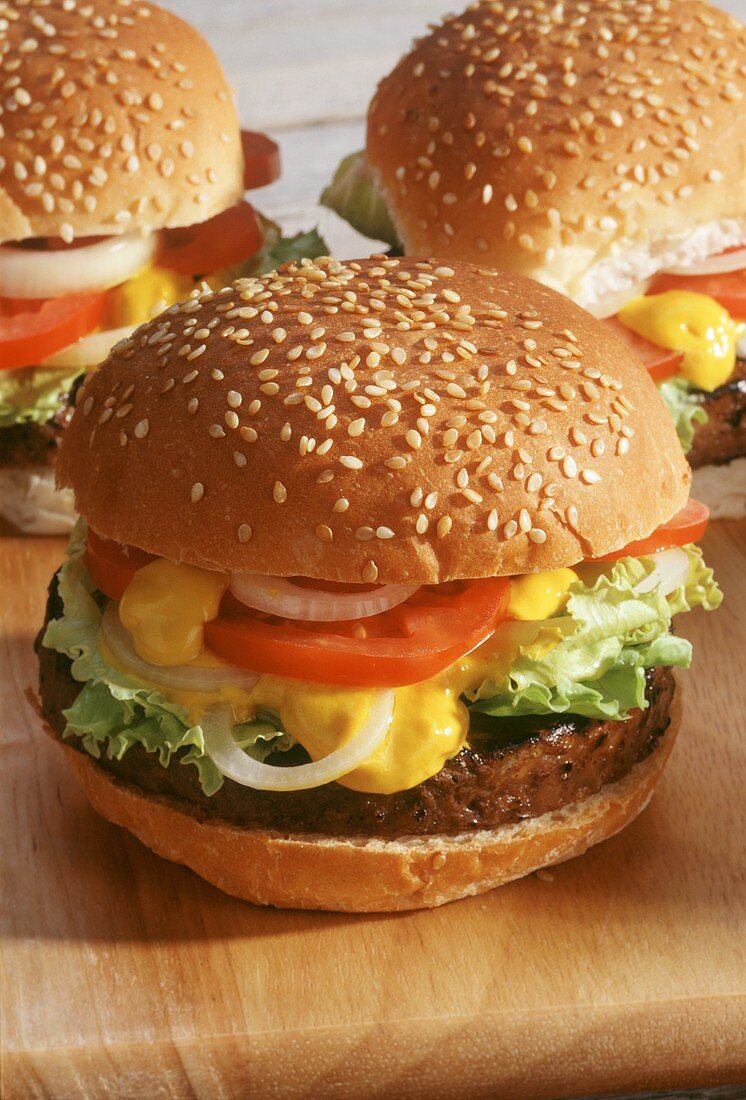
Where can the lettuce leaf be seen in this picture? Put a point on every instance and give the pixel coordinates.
(279, 250)
(679, 398)
(591, 660)
(588, 660)
(31, 395)
(353, 195)
(114, 712)
(276, 250)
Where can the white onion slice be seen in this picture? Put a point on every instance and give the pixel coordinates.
(712, 265)
(279, 596)
(90, 350)
(232, 762)
(52, 273)
(180, 677)
(670, 572)
(610, 304)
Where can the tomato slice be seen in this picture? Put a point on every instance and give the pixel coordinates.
(261, 158)
(688, 525)
(729, 289)
(111, 565)
(227, 239)
(32, 329)
(661, 363)
(412, 642)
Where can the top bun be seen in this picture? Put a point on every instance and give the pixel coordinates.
(574, 142)
(376, 420)
(115, 116)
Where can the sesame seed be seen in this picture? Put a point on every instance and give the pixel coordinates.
(370, 572)
(197, 492)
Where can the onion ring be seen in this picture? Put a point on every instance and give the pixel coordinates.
(279, 596)
(180, 677)
(733, 260)
(670, 572)
(53, 273)
(232, 762)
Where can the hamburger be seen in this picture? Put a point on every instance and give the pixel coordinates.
(599, 148)
(361, 612)
(122, 175)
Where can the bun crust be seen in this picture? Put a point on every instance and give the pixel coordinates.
(300, 872)
(545, 138)
(119, 118)
(376, 421)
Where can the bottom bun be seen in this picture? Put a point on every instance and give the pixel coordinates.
(370, 875)
(722, 489)
(30, 502)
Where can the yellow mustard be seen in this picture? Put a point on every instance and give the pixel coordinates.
(142, 297)
(694, 324)
(165, 609)
(539, 595)
(166, 606)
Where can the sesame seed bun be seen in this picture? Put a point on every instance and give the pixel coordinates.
(370, 875)
(374, 421)
(572, 142)
(115, 117)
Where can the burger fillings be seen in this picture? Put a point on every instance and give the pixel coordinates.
(544, 143)
(357, 537)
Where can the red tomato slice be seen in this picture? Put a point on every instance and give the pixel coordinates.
(728, 289)
(661, 363)
(32, 329)
(688, 525)
(261, 160)
(226, 239)
(412, 642)
(111, 565)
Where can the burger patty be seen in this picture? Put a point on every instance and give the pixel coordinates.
(515, 768)
(28, 444)
(723, 438)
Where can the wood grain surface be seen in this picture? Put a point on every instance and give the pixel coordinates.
(124, 976)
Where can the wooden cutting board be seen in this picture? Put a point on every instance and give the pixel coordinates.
(125, 976)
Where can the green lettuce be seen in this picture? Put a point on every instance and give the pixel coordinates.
(354, 196)
(680, 399)
(113, 711)
(591, 659)
(279, 250)
(31, 395)
(276, 250)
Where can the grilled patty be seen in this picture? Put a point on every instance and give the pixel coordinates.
(27, 444)
(723, 438)
(515, 768)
